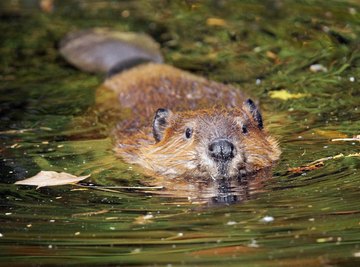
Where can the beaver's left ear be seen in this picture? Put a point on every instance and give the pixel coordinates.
(254, 111)
(160, 122)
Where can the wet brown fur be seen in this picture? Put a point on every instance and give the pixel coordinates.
(212, 109)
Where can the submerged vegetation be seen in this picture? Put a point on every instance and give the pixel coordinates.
(300, 59)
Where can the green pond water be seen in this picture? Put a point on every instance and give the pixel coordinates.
(304, 218)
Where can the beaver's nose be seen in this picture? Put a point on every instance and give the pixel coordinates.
(222, 149)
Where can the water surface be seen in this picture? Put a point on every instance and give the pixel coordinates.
(309, 218)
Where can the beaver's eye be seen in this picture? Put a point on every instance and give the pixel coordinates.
(188, 133)
(244, 129)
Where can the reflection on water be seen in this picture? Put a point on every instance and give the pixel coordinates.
(262, 48)
(214, 192)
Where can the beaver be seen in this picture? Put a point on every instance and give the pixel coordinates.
(178, 125)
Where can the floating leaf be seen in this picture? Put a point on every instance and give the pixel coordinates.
(267, 219)
(318, 68)
(51, 178)
(285, 95)
(144, 219)
(215, 22)
(330, 133)
(271, 55)
(324, 239)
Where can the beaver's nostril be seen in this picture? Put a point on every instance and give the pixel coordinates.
(221, 149)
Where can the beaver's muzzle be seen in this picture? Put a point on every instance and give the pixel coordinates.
(221, 149)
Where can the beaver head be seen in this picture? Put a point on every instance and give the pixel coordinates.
(210, 143)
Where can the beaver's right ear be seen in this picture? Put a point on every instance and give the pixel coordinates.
(255, 112)
(160, 122)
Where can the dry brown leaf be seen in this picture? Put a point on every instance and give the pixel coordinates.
(51, 178)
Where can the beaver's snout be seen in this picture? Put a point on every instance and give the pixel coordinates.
(221, 150)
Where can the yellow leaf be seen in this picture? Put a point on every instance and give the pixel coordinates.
(330, 133)
(271, 55)
(285, 95)
(215, 22)
(325, 239)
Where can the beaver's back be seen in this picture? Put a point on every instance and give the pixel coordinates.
(146, 88)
